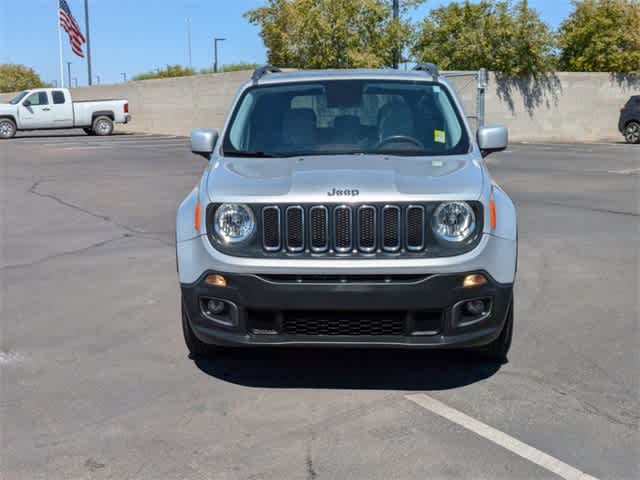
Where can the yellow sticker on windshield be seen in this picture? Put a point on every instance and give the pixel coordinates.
(439, 136)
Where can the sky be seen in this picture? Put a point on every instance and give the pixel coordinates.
(132, 36)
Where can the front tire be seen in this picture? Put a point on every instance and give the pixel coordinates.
(196, 347)
(7, 128)
(632, 133)
(102, 126)
(88, 131)
(498, 350)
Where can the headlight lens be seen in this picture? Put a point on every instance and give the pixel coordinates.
(234, 223)
(453, 221)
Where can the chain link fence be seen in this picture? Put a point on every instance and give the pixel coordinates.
(470, 88)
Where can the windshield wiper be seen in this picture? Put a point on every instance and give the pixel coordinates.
(242, 153)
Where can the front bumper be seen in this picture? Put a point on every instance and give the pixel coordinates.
(404, 311)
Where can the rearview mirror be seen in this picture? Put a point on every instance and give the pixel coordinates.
(493, 138)
(203, 140)
(26, 103)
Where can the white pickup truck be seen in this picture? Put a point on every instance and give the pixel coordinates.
(53, 108)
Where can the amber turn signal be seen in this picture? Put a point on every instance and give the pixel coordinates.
(216, 281)
(474, 280)
(197, 215)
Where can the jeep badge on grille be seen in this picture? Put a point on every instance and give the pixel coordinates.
(354, 192)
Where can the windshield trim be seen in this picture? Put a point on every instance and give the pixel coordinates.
(227, 149)
(15, 100)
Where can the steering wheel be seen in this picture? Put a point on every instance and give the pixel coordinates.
(399, 138)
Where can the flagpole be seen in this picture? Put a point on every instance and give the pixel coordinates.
(60, 44)
(86, 23)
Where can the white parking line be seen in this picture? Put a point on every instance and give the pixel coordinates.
(514, 445)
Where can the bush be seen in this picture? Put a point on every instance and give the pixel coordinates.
(169, 72)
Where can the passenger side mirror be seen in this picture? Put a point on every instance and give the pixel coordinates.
(494, 138)
(203, 140)
(26, 103)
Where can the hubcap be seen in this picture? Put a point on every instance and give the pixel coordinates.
(103, 127)
(5, 129)
(633, 133)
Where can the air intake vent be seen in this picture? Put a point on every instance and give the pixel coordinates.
(319, 231)
(295, 229)
(415, 227)
(391, 228)
(367, 228)
(271, 228)
(343, 229)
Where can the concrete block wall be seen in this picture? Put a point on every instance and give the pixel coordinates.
(564, 107)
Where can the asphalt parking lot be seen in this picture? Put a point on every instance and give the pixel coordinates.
(96, 382)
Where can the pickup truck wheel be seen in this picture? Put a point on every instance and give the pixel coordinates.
(7, 128)
(102, 126)
(196, 347)
(497, 350)
(88, 131)
(632, 132)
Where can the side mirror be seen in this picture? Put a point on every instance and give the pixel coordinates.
(494, 138)
(26, 103)
(203, 140)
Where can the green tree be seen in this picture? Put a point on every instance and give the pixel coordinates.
(331, 33)
(169, 71)
(15, 77)
(601, 36)
(494, 34)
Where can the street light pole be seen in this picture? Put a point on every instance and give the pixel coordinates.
(215, 53)
(69, 73)
(124, 76)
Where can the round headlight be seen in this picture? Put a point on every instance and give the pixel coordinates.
(234, 223)
(453, 221)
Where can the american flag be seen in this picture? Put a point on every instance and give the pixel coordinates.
(72, 28)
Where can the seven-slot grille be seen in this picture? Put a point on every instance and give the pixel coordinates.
(343, 228)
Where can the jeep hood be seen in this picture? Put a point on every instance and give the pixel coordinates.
(366, 178)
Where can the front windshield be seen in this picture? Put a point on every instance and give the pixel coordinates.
(17, 98)
(346, 117)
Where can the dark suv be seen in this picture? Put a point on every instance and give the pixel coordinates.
(629, 123)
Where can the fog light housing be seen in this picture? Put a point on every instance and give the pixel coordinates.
(215, 307)
(472, 311)
(475, 307)
(221, 312)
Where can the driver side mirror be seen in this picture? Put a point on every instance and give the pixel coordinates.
(26, 103)
(494, 138)
(203, 140)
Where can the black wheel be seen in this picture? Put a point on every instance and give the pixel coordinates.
(632, 132)
(102, 126)
(7, 128)
(497, 350)
(196, 347)
(88, 131)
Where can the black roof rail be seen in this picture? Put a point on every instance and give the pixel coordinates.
(260, 72)
(430, 68)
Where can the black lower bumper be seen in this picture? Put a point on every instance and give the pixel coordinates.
(386, 311)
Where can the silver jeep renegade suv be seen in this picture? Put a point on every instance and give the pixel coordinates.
(347, 208)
